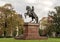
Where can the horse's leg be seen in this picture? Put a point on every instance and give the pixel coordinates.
(32, 18)
(36, 19)
(25, 15)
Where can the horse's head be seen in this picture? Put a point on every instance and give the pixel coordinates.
(28, 8)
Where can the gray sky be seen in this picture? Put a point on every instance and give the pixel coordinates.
(41, 6)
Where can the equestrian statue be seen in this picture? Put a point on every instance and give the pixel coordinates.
(31, 13)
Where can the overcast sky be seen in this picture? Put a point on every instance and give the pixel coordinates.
(41, 6)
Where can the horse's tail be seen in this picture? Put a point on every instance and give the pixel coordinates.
(37, 19)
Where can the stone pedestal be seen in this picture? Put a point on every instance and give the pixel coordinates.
(31, 31)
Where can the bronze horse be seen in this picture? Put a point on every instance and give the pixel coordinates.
(31, 13)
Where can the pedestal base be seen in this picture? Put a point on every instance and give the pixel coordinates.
(31, 32)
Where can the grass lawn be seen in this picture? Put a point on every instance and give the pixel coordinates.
(14, 40)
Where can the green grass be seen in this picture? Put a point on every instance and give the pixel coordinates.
(14, 40)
